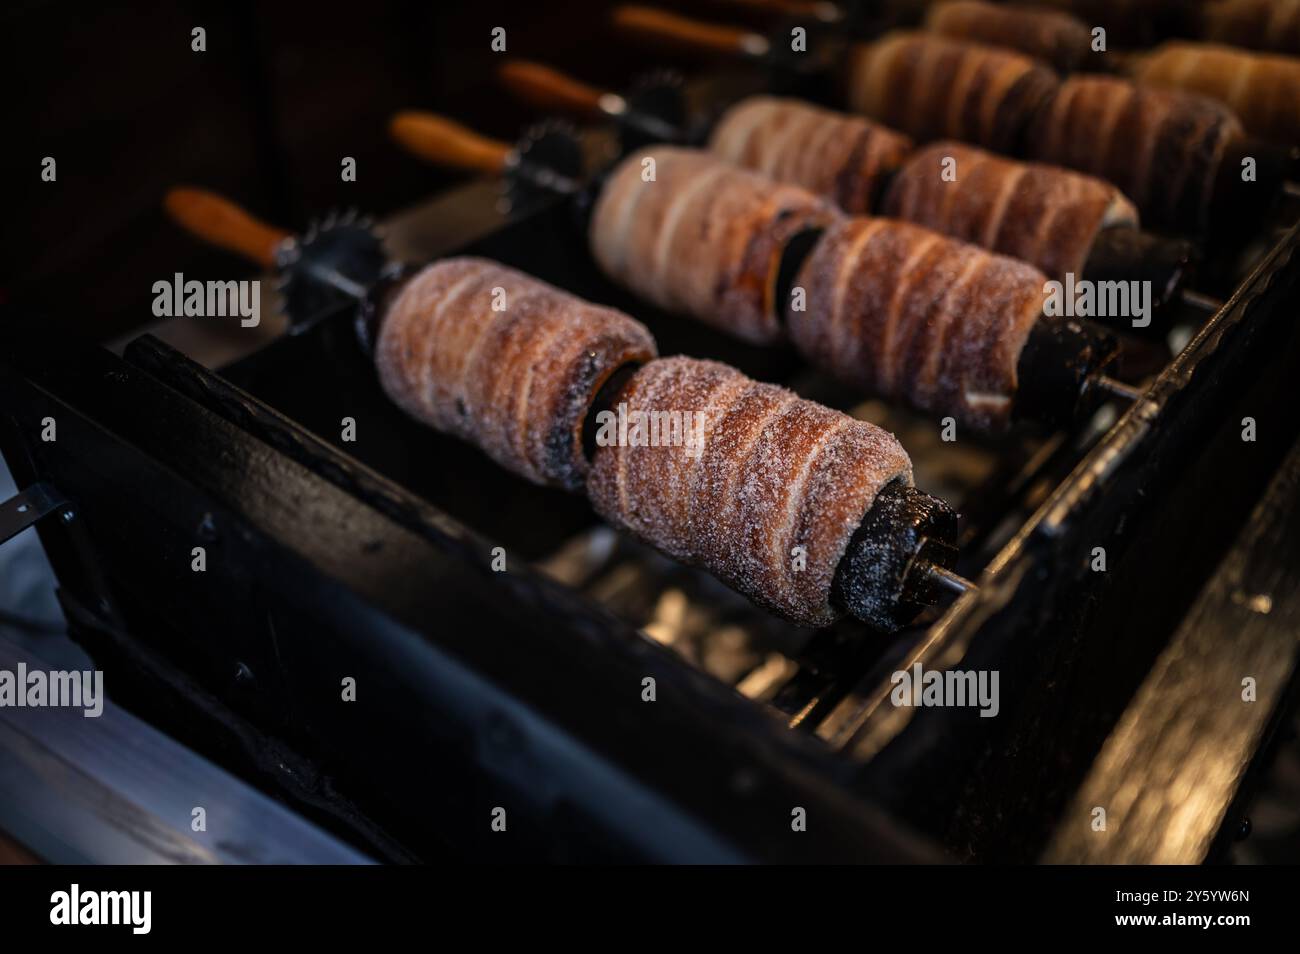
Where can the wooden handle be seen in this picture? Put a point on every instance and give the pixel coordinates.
(678, 32)
(445, 142)
(550, 89)
(220, 222)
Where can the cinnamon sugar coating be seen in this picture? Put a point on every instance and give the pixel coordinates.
(703, 238)
(934, 87)
(772, 473)
(906, 313)
(1044, 215)
(1263, 89)
(841, 158)
(1050, 35)
(517, 382)
(1161, 148)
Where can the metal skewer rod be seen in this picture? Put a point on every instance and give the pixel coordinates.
(1118, 389)
(1201, 302)
(337, 280)
(945, 579)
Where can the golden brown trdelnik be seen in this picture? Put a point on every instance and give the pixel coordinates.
(1162, 148)
(1257, 24)
(841, 158)
(772, 472)
(702, 237)
(1050, 35)
(515, 381)
(934, 87)
(906, 313)
(1262, 89)
(1043, 215)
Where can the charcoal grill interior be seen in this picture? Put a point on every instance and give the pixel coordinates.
(370, 558)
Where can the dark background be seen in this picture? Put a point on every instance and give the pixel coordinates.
(285, 90)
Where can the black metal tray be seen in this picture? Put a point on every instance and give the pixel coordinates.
(371, 559)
